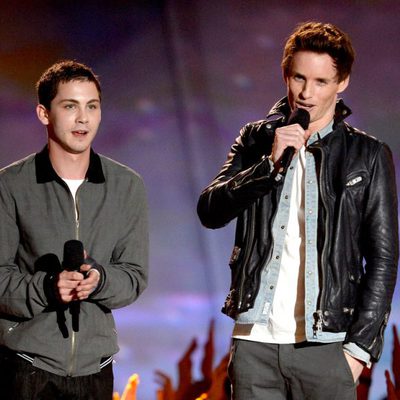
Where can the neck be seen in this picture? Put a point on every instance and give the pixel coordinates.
(319, 125)
(69, 165)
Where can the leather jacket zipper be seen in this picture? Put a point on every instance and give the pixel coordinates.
(381, 332)
(317, 328)
(246, 257)
(319, 313)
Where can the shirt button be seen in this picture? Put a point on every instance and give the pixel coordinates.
(291, 167)
(271, 287)
(277, 257)
(283, 227)
(310, 211)
(286, 197)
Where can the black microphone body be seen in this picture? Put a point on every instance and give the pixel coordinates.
(298, 116)
(73, 258)
(73, 255)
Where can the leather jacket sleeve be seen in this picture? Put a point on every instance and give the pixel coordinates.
(245, 177)
(380, 249)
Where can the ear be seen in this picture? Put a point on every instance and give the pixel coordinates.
(42, 114)
(343, 84)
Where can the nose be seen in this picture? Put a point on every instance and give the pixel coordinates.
(306, 91)
(82, 116)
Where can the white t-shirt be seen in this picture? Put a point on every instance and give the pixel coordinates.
(73, 185)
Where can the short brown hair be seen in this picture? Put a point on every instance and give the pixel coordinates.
(62, 72)
(320, 38)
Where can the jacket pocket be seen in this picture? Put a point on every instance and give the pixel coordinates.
(355, 184)
(352, 201)
(12, 328)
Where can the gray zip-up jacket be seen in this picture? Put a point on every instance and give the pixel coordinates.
(37, 216)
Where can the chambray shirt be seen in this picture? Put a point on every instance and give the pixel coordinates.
(258, 316)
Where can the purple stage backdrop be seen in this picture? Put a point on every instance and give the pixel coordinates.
(179, 79)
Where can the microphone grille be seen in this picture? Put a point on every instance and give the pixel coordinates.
(300, 116)
(73, 254)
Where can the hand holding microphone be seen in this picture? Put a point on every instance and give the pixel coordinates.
(76, 282)
(290, 138)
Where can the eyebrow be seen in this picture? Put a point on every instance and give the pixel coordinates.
(77, 102)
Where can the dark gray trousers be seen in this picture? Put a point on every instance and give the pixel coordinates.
(313, 371)
(19, 380)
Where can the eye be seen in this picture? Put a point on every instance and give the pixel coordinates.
(69, 106)
(93, 106)
(321, 82)
(298, 78)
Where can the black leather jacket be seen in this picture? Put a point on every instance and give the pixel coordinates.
(357, 224)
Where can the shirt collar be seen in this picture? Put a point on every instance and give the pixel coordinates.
(46, 173)
(321, 133)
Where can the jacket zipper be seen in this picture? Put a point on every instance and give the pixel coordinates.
(247, 254)
(73, 333)
(380, 334)
(319, 313)
(317, 328)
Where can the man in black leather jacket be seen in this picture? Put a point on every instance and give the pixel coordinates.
(316, 248)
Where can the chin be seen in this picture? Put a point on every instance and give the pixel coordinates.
(78, 151)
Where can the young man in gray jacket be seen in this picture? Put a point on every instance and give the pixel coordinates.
(73, 247)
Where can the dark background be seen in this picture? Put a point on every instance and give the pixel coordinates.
(179, 80)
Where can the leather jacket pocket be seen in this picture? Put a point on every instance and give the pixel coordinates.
(354, 189)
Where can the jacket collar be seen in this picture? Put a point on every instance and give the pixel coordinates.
(282, 110)
(46, 173)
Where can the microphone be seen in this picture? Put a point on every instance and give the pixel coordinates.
(72, 260)
(298, 116)
(73, 255)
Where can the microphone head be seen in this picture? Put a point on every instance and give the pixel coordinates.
(73, 255)
(299, 116)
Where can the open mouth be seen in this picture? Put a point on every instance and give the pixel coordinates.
(79, 132)
(305, 106)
